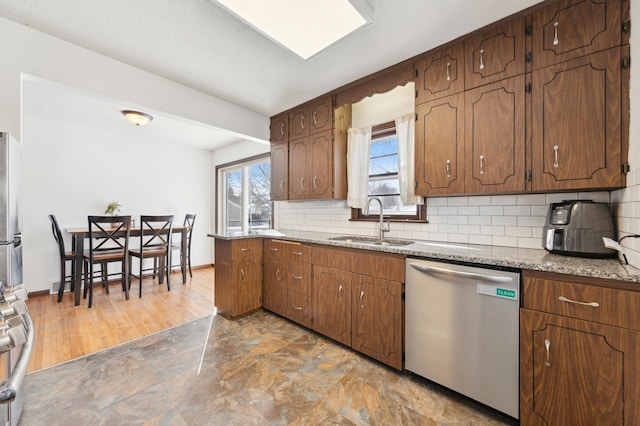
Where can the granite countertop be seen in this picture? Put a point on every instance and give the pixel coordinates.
(520, 258)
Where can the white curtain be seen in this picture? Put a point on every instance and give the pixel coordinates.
(406, 160)
(358, 166)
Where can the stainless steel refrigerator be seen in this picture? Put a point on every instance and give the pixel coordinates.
(16, 327)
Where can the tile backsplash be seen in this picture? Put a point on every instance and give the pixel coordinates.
(625, 204)
(500, 220)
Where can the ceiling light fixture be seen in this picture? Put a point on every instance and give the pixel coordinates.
(136, 117)
(305, 28)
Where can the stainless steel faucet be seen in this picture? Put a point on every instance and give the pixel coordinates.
(383, 229)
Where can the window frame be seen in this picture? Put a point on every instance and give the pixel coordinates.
(237, 164)
(380, 131)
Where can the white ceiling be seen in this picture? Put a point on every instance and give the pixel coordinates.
(200, 45)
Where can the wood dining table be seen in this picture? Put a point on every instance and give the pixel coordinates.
(79, 234)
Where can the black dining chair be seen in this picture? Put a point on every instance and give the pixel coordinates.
(64, 256)
(155, 243)
(185, 258)
(108, 243)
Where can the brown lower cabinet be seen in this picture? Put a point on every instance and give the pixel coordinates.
(579, 353)
(238, 288)
(357, 300)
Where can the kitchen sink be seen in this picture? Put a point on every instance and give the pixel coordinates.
(372, 240)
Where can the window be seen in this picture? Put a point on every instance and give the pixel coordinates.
(243, 195)
(383, 179)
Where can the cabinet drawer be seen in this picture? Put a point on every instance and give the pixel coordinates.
(299, 278)
(287, 250)
(246, 248)
(298, 308)
(588, 302)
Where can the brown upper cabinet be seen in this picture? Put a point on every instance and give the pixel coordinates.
(440, 74)
(495, 137)
(279, 171)
(280, 128)
(576, 124)
(439, 145)
(496, 54)
(573, 28)
(311, 118)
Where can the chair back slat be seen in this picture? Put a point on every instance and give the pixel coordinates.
(156, 229)
(108, 233)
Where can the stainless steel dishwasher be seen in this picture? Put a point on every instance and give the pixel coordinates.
(462, 330)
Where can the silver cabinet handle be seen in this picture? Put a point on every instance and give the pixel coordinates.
(482, 164)
(297, 277)
(547, 344)
(592, 304)
(314, 118)
(315, 186)
(341, 124)
(483, 277)
(296, 253)
(297, 308)
(282, 185)
(302, 183)
(278, 274)
(448, 168)
(555, 33)
(273, 249)
(340, 292)
(302, 121)
(481, 59)
(245, 249)
(282, 129)
(448, 74)
(556, 148)
(361, 297)
(242, 272)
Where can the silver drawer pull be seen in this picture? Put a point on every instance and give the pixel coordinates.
(282, 129)
(361, 297)
(297, 253)
(556, 148)
(245, 249)
(592, 304)
(340, 292)
(481, 59)
(297, 308)
(278, 274)
(448, 74)
(297, 277)
(242, 272)
(273, 249)
(547, 344)
(448, 168)
(555, 33)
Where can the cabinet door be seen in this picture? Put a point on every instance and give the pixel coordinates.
(279, 171)
(248, 277)
(495, 55)
(440, 146)
(576, 132)
(298, 182)
(274, 286)
(577, 372)
(321, 115)
(280, 128)
(570, 29)
(321, 167)
(376, 319)
(495, 137)
(332, 303)
(299, 122)
(440, 74)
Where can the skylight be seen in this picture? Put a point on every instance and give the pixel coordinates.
(303, 27)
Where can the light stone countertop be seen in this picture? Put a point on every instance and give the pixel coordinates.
(520, 258)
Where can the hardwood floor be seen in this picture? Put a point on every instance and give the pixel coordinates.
(64, 331)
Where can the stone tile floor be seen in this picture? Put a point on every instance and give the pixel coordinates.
(258, 370)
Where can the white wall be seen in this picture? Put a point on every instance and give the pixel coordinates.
(72, 171)
(626, 202)
(25, 50)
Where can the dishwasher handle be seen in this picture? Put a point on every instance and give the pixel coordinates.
(462, 274)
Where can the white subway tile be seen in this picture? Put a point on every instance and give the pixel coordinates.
(531, 199)
(480, 239)
(503, 200)
(517, 210)
(458, 201)
(480, 220)
(532, 243)
(504, 220)
(448, 228)
(491, 211)
(556, 198)
(458, 238)
(484, 200)
(469, 229)
(517, 231)
(505, 241)
(469, 211)
(492, 230)
(531, 221)
(458, 220)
